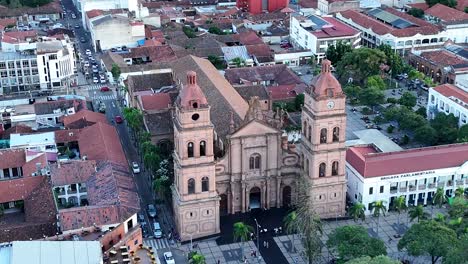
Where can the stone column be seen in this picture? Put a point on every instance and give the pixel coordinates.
(244, 192)
(278, 193)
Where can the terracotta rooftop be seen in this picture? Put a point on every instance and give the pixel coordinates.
(50, 8)
(442, 57)
(157, 101)
(67, 135)
(325, 80)
(249, 91)
(161, 53)
(71, 172)
(422, 27)
(461, 4)
(44, 108)
(451, 91)
(112, 199)
(83, 119)
(446, 13)
(12, 158)
(338, 29)
(422, 6)
(102, 143)
(18, 36)
(370, 164)
(17, 129)
(285, 91)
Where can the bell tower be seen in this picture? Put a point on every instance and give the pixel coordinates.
(195, 200)
(323, 143)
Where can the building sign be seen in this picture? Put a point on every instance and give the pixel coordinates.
(407, 175)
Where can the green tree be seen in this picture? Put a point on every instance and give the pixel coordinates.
(466, 9)
(292, 227)
(134, 118)
(417, 212)
(458, 253)
(353, 241)
(415, 74)
(378, 209)
(422, 111)
(15, 4)
(408, 99)
(335, 52)
(463, 134)
(189, 32)
(34, 3)
(428, 238)
(377, 260)
(216, 61)
(299, 102)
(460, 192)
(439, 197)
(458, 207)
(446, 127)
(416, 12)
(358, 211)
(115, 72)
(399, 205)
(425, 134)
(375, 81)
(239, 62)
(449, 3)
(371, 96)
(394, 60)
(196, 258)
(360, 63)
(242, 232)
(216, 30)
(352, 91)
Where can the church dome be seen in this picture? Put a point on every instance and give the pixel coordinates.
(191, 95)
(325, 84)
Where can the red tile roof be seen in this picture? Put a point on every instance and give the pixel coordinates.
(461, 4)
(67, 135)
(422, 6)
(18, 36)
(370, 164)
(101, 142)
(71, 172)
(338, 30)
(423, 27)
(12, 158)
(442, 57)
(93, 13)
(83, 119)
(282, 92)
(249, 38)
(161, 53)
(446, 13)
(155, 101)
(17, 129)
(450, 90)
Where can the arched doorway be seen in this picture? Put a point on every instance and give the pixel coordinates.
(286, 196)
(223, 205)
(255, 198)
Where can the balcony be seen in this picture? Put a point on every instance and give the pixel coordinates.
(431, 185)
(394, 190)
(450, 183)
(403, 189)
(460, 182)
(412, 188)
(441, 184)
(422, 187)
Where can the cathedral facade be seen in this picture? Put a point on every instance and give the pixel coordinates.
(253, 165)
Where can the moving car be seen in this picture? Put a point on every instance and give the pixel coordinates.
(135, 167)
(169, 258)
(82, 40)
(118, 119)
(105, 89)
(103, 80)
(77, 26)
(73, 16)
(157, 230)
(95, 79)
(151, 210)
(88, 52)
(86, 63)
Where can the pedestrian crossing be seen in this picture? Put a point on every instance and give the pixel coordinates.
(156, 243)
(96, 94)
(109, 97)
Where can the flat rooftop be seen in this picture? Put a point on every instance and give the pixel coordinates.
(19, 140)
(376, 138)
(15, 56)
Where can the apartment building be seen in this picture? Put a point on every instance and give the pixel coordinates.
(448, 99)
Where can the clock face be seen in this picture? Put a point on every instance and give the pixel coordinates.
(330, 104)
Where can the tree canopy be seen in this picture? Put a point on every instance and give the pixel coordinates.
(335, 52)
(416, 12)
(353, 241)
(360, 63)
(449, 3)
(377, 260)
(408, 99)
(115, 71)
(428, 238)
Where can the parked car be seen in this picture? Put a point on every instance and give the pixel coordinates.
(157, 230)
(105, 89)
(168, 258)
(88, 52)
(124, 48)
(151, 210)
(95, 79)
(135, 167)
(77, 26)
(86, 63)
(73, 16)
(82, 40)
(103, 80)
(113, 49)
(95, 70)
(118, 119)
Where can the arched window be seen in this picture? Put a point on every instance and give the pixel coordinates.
(336, 134)
(190, 150)
(322, 169)
(323, 135)
(205, 184)
(254, 162)
(191, 186)
(310, 133)
(335, 168)
(202, 148)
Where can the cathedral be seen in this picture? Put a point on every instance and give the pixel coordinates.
(230, 162)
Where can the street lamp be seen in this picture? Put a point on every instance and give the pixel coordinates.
(258, 241)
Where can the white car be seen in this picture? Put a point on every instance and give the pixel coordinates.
(86, 63)
(169, 258)
(135, 167)
(95, 80)
(103, 81)
(88, 52)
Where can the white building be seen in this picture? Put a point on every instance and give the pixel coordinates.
(56, 63)
(448, 99)
(318, 33)
(18, 72)
(112, 31)
(397, 29)
(37, 142)
(87, 5)
(454, 22)
(415, 174)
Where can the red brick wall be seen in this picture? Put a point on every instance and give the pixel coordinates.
(118, 235)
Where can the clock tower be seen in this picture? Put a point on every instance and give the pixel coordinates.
(323, 143)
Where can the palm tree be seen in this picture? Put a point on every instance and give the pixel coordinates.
(440, 218)
(292, 227)
(358, 211)
(439, 197)
(399, 204)
(378, 209)
(242, 233)
(417, 212)
(460, 192)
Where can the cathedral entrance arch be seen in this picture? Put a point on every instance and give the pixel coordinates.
(287, 196)
(223, 204)
(255, 198)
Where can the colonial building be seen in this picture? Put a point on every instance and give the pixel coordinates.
(232, 156)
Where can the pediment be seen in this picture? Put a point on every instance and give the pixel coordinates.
(254, 128)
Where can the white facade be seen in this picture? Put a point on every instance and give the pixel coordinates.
(56, 64)
(18, 72)
(87, 5)
(42, 142)
(438, 102)
(417, 187)
(112, 31)
(301, 35)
